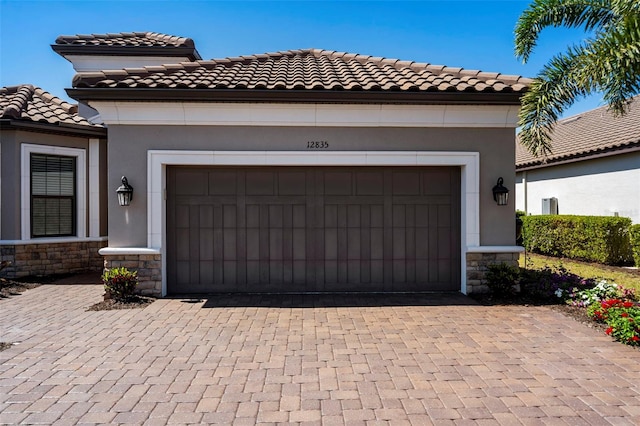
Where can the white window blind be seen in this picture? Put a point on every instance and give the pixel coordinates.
(53, 195)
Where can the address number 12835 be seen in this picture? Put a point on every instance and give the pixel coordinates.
(317, 144)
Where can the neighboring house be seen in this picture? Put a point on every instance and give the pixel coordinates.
(304, 170)
(52, 167)
(594, 168)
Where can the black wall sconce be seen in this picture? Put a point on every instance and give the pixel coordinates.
(500, 193)
(125, 193)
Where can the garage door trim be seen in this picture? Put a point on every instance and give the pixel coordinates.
(157, 160)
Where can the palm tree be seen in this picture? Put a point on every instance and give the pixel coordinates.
(607, 62)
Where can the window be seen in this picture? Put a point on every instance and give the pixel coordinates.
(53, 195)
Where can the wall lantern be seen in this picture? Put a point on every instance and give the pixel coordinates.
(125, 193)
(500, 193)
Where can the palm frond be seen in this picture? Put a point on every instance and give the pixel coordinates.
(552, 91)
(592, 14)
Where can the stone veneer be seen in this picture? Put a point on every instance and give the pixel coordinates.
(49, 258)
(477, 264)
(149, 267)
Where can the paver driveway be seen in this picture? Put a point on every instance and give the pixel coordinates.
(328, 360)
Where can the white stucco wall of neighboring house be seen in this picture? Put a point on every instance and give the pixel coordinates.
(597, 187)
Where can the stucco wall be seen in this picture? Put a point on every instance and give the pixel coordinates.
(128, 146)
(11, 168)
(598, 187)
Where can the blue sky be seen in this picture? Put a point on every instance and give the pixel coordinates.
(469, 34)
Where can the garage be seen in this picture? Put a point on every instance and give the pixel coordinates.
(312, 229)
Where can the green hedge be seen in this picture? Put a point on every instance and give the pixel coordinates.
(602, 239)
(634, 236)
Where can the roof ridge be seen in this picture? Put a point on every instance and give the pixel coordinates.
(602, 108)
(179, 41)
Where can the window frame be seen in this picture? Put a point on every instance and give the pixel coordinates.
(72, 197)
(80, 210)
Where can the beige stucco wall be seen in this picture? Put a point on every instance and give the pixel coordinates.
(128, 146)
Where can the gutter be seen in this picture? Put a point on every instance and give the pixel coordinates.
(57, 128)
(294, 96)
(91, 50)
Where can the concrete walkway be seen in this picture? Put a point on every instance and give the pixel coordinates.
(354, 360)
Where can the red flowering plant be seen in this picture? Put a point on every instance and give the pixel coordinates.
(119, 283)
(622, 317)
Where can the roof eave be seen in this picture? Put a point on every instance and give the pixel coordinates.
(593, 155)
(57, 128)
(294, 96)
(87, 50)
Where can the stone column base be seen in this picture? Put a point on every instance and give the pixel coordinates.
(149, 267)
(479, 261)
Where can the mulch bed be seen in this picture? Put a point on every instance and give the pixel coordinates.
(133, 302)
(10, 288)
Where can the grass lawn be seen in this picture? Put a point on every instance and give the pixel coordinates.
(625, 277)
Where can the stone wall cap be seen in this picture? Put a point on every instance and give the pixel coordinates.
(495, 249)
(55, 240)
(117, 251)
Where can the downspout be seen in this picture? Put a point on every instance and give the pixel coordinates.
(524, 191)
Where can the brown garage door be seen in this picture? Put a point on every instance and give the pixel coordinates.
(313, 229)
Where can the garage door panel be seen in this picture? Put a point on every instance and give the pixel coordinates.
(436, 182)
(292, 183)
(206, 248)
(223, 182)
(313, 229)
(337, 183)
(260, 183)
(406, 183)
(369, 183)
(193, 182)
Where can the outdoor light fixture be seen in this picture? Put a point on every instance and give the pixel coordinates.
(125, 193)
(500, 193)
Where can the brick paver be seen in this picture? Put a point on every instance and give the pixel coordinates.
(331, 360)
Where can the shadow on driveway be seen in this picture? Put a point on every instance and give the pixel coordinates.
(326, 300)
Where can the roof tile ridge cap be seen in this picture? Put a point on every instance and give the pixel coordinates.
(173, 39)
(47, 97)
(319, 53)
(23, 94)
(332, 54)
(420, 66)
(469, 72)
(66, 39)
(363, 59)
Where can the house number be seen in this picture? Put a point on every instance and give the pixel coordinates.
(317, 144)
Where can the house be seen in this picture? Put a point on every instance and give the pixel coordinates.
(594, 168)
(300, 171)
(52, 165)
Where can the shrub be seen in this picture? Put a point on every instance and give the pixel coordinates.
(634, 237)
(119, 283)
(502, 279)
(601, 239)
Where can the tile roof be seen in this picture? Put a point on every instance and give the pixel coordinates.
(28, 103)
(133, 39)
(125, 43)
(587, 134)
(308, 69)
